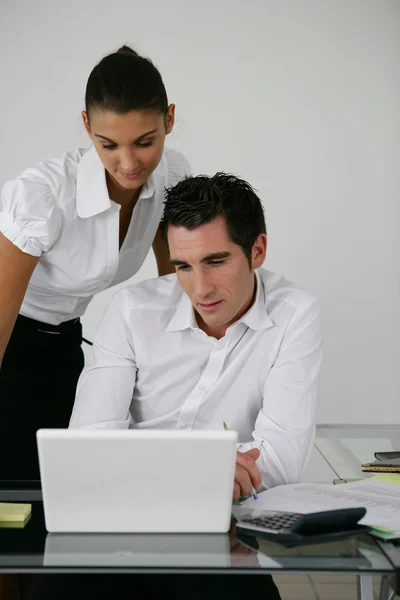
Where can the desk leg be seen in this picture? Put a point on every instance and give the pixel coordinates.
(365, 588)
(386, 592)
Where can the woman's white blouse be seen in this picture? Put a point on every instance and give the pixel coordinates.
(60, 210)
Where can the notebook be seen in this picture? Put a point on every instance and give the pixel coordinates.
(14, 515)
(386, 462)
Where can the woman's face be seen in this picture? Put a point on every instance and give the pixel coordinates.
(129, 145)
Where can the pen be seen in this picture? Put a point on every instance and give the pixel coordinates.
(253, 491)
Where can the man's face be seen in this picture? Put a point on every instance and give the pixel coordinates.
(215, 273)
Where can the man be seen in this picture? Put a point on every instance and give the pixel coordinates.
(221, 341)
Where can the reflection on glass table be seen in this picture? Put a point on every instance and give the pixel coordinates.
(137, 550)
(33, 549)
(213, 551)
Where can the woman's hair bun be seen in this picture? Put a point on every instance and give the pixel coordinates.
(126, 50)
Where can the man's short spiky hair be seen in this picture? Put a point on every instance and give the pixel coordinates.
(198, 200)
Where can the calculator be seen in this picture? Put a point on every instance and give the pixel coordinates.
(291, 529)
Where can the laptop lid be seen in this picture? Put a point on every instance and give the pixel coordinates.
(137, 481)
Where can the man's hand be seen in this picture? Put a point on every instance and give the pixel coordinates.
(241, 555)
(247, 474)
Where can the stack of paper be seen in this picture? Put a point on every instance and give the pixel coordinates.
(380, 495)
(14, 515)
(388, 534)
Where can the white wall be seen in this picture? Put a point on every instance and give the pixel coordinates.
(300, 97)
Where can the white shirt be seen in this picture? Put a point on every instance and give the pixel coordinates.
(152, 367)
(60, 210)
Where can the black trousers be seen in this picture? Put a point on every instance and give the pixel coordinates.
(149, 587)
(38, 379)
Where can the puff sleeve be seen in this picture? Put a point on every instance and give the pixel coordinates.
(29, 216)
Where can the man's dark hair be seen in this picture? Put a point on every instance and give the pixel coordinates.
(195, 201)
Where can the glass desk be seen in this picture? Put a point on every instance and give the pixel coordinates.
(33, 550)
(345, 448)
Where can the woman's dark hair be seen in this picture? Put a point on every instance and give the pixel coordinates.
(124, 81)
(195, 201)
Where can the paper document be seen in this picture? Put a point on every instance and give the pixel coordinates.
(381, 499)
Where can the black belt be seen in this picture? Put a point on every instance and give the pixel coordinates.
(66, 328)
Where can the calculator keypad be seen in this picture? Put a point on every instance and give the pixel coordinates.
(278, 522)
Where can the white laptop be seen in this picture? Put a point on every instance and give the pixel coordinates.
(135, 481)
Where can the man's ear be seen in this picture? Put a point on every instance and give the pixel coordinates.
(259, 251)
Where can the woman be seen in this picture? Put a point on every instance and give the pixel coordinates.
(70, 227)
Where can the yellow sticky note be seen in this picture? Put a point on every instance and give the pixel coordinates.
(14, 513)
(393, 478)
